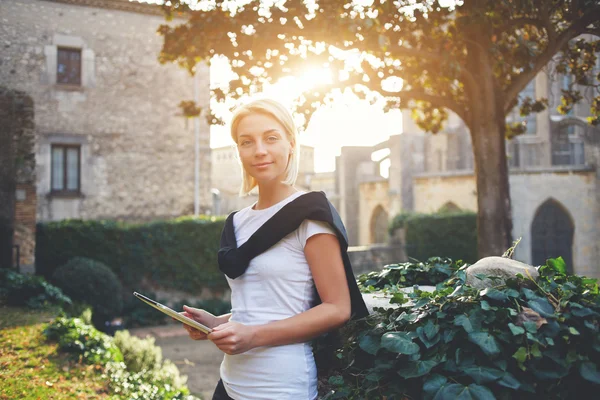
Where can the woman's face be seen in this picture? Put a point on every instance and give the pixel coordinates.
(264, 148)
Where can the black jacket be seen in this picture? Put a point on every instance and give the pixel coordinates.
(233, 261)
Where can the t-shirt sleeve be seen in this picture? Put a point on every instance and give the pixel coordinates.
(309, 228)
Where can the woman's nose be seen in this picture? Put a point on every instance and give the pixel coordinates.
(261, 147)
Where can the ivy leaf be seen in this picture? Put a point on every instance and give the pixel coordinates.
(558, 265)
(430, 330)
(417, 368)
(483, 374)
(542, 307)
(399, 342)
(370, 344)
(516, 330)
(520, 355)
(336, 380)
(589, 371)
(463, 320)
(460, 392)
(494, 294)
(486, 342)
(509, 381)
(433, 385)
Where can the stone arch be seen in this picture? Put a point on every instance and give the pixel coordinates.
(552, 232)
(379, 225)
(449, 207)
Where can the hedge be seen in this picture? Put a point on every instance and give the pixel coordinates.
(451, 235)
(179, 253)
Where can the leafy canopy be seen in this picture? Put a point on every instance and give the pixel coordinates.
(426, 55)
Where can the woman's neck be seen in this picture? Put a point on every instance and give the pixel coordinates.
(271, 195)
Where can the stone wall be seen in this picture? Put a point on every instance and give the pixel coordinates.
(137, 151)
(432, 191)
(373, 199)
(373, 258)
(17, 178)
(575, 191)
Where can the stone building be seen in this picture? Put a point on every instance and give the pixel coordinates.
(110, 140)
(554, 180)
(227, 178)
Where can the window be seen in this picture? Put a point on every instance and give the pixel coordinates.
(531, 119)
(66, 169)
(68, 66)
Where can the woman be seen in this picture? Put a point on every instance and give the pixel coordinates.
(275, 253)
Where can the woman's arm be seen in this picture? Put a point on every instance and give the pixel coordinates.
(323, 255)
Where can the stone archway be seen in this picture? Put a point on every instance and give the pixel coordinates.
(379, 225)
(552, 233)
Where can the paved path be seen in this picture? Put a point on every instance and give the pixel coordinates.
(199, 360)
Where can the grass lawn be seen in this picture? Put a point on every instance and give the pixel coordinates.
(30, 367)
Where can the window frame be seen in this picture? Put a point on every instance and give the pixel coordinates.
(64, 192)
(71, 49)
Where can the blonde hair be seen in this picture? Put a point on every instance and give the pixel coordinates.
(281, 114)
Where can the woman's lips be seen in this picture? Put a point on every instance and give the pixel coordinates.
(262, 164)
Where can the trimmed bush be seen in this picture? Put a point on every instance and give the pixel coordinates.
(29, 290)
(91, 282)
(451, 235)
(179, 254)
(521, 340)
(82, 341)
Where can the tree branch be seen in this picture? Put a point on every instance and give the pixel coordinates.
(562, 40)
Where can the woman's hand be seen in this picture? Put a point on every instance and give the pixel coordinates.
(233, 337)
(204, 317)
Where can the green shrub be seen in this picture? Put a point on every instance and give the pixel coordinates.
(432, 272)
(180, 253)
(138, 313)
(93, 283)
(29, 290)
(447, 235)
(399, 221)
(143, 374)
(521, 340)
(138, 354)
(82, 341)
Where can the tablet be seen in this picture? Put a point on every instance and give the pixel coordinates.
(173, 314)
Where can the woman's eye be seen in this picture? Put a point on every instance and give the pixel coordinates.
(245, 143)
(272, 138)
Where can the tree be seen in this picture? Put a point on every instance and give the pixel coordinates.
(472, 59)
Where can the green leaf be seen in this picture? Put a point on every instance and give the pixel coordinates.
(509, 381)
(573, 331)
(431, 329)
(520, 355)
(558, 265)
(486, 306)
(483, 374)
(457, 391)
(463, 320)
(589, 371)
(399, 342)
(336, 380)
(486, 342)
(516, 330)
(494, 294)
(370, 344)
(434, 383)
(542, 307)
(417, 368)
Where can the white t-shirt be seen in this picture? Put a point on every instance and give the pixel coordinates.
(278, 284)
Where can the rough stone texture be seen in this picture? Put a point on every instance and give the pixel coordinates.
(372, 201)
(497, 267)
(137, 150)
(17, 178)
(373, 258)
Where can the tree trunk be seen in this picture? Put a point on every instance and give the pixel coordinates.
(494, 219)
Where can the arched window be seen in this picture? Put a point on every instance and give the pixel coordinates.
(379, 225)
(552, 232)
